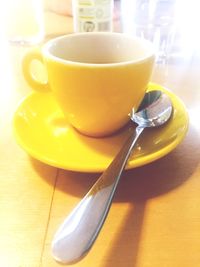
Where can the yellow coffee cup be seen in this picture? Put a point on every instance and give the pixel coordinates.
(96, 78)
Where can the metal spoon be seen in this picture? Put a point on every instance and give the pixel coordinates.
(76, 235)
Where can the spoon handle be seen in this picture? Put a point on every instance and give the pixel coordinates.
(80, 229)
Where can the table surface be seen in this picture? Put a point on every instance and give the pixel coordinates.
(155, 217)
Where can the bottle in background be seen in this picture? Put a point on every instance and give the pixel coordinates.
(92, 15)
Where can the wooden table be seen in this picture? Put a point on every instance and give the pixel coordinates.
(155, 218)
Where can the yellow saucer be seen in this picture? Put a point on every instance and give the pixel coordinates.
(41, 129)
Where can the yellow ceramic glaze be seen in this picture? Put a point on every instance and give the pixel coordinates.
(43, 132)
(88, 105)
(95, 97)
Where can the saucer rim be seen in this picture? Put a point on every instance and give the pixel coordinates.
(133, 163)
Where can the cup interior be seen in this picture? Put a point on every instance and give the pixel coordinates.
(98, 48)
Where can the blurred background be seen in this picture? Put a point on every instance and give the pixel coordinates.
(172, 25)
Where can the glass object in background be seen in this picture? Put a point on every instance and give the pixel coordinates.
(24, 23)
(152, 20)
(92, 15)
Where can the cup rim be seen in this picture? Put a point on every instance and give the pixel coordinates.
(50, 43)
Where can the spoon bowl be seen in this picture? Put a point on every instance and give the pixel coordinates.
(155, 110)
(78, 232)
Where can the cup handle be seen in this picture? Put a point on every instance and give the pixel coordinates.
(29, 76)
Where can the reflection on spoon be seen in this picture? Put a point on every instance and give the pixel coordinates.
(76, 235)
